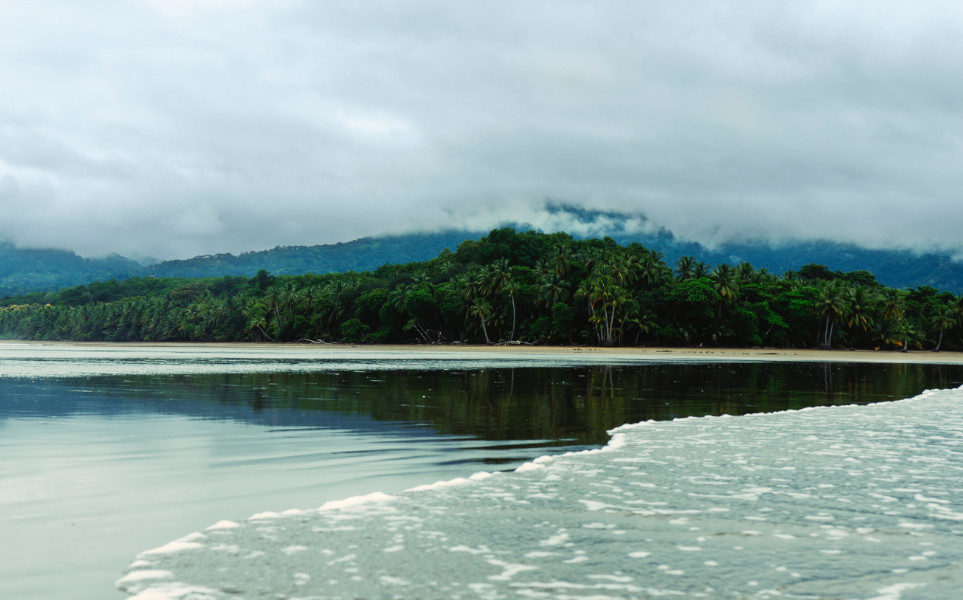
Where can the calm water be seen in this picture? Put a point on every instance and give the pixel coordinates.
(107, 455)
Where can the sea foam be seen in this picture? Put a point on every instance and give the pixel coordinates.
(848, 501)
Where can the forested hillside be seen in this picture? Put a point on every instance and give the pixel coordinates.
(509, 287)
(28, 270)
(365, 254)
(23, 271)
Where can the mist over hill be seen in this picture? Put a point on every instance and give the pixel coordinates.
(30, 270)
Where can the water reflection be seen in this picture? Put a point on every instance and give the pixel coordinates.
(571, 404)
(556, 405)
(133, 461)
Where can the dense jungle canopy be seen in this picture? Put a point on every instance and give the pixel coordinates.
(508, 287)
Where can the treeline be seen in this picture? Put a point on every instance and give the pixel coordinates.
(508, 287)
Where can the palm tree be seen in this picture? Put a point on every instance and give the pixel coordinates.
(469, 284)
(502, 281)
(763, 275)
(893, 304)
(745, 273)
(943, 321)
(652, 270)
(591, 257)
(558, 261)
(685, 267)
(909, 335)
(481, 308)
(619, 300)
(602, 287)
(831, 305)
(724, 281)
(255, 319)
(510, 288)
(860, 309)
(553, 289)
(644, 323)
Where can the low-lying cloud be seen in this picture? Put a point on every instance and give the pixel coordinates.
(171, 129)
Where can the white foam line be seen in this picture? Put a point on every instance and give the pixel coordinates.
(358, 501)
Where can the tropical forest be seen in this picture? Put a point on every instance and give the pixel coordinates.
(509, 287)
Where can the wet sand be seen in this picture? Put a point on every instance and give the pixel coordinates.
(879, 356)
(524, 350)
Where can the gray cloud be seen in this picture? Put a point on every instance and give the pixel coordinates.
(173, 128)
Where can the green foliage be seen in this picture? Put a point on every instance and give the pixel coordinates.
(507, 287)
(354, 330)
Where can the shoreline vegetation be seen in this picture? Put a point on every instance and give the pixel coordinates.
(509, 288)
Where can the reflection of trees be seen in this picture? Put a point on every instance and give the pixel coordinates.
(560, 403)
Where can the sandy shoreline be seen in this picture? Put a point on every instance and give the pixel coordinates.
(597, 354)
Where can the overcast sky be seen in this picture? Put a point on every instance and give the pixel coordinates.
(170, 128)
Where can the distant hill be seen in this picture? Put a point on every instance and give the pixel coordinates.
(29, 270)
(365, 254)
(23, 271)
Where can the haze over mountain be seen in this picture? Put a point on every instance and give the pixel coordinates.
(174, 128)
(24, 271)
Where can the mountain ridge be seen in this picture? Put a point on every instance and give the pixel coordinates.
(31, 270)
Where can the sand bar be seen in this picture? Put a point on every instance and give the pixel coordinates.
(469, 351)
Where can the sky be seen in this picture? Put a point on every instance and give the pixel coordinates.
(172, 128)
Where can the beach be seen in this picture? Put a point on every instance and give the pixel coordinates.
(468, 351)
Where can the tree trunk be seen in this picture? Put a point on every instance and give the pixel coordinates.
(484, 329)
(421, 331)
(514, 316)
(264, 333)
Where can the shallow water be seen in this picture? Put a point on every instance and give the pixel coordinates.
(829, 502)
(111, 450)
(95, 471)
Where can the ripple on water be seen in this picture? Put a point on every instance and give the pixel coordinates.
(791, 518)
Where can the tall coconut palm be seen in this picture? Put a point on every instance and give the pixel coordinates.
(745, 273)
(559, 258)
(506, 285)
(481, 309)
(602, 290)
(909, 335)
(860, 309)
(552, 290)
(685, 268)
(621, 269)
(652, 270)
(510, 289)
(591, 257)
(255, 320)
(724, 282)
(643, 322)
(831, 305)
(893, 304)
(945, 319)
